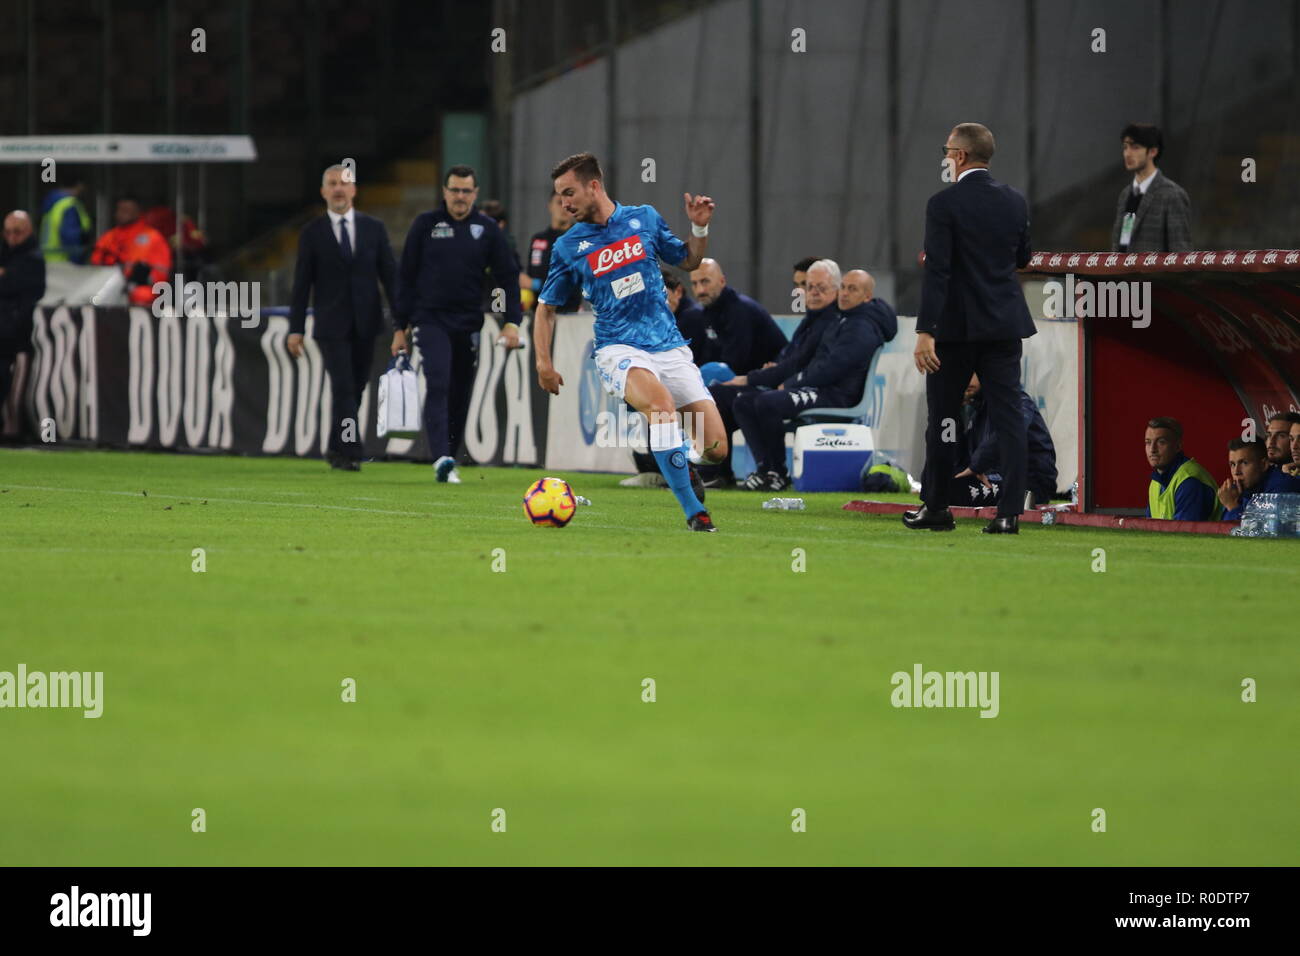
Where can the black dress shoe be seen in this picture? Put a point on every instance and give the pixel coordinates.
(1007, 525)
(938, 520)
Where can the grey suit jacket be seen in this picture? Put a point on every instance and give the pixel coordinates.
(1164, 219)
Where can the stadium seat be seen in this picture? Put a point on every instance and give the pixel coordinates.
(856, 414)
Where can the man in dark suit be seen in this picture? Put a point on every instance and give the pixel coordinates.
(342, 256)
(1154, 213)
(22, 285)
(973, 317)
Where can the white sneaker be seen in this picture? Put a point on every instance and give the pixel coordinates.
(444, 469)
(646, 479)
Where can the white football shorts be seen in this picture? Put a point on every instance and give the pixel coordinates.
(675, 368)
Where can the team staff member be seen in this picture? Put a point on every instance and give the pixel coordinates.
(65, 225)
(440, 289)
(22, 285)
(342, 256)
(973, 318)
(1181, 489)
(1153, 214)
(745, 334)
(539, 252)
(138, 248)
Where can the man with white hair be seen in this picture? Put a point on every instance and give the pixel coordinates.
(824, 277)
(833, 377)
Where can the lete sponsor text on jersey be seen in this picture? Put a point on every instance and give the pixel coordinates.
(615, 255)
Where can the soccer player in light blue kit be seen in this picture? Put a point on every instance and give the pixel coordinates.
(612, 253)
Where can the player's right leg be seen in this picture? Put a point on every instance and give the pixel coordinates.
(649, 396)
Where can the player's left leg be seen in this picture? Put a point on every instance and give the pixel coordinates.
(682, 378)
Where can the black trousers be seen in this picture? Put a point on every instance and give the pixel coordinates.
(762, 415)
(998, 366)
(447, 357)
(8, 355)
(347, 363)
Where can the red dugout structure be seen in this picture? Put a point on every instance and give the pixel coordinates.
(1219, 344)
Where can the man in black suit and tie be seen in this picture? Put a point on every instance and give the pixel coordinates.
(973, 318)
(342, 256)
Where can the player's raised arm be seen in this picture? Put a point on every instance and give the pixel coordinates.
(543, 332)
(699, 210)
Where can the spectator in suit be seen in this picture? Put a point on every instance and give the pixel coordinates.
(1280, 445)
(1153, 213)
(822, 286)
(980, 479)
(745, 334)
(1250, 474)
(343, 256)
(834, 378)
(1181, 488)
(22, 285)
(973, 318)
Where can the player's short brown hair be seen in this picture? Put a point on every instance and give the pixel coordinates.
(1261, 449)
(584, 165)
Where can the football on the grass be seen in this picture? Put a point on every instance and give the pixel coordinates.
(549, 503)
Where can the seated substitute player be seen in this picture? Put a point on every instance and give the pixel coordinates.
(1181, 489)
(1251, 473)
(1280, 446)
(1294, 467)
(612, 252)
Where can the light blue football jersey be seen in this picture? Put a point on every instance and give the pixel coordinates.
(616, 266)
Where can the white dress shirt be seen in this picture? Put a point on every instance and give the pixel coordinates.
(350, 216)
(1143, 186)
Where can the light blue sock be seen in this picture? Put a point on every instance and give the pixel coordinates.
(669, 448)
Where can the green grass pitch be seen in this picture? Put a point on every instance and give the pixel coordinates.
(478, 690)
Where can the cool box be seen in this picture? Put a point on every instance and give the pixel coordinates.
(830, 457)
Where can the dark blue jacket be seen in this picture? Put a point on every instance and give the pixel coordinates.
(1193, 501)
(1275, 483)
(799, 351)
(976, 236)
(690, 322)
(440, 278)
(344, 296)
(747, 336)
(21, 287)
(843, 357)
(982, 441)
